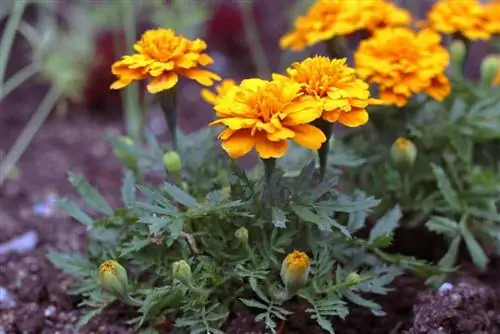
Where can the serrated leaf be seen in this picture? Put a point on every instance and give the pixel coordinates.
(128, 188)
(445, 187)
(357, 221)
(73, 264)
(458, 110)
(476, 251)
(89, 194)
(180, 196)
(253, 303)
(443, 225)
(84, 319)
(74, 211)
(387, 224)
(450, 258)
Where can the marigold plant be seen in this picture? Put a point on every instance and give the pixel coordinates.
(343, 95)
(329, 18)
(220, 90)
(403, 63)
(265, 114)
(468, 18)
(162, 55)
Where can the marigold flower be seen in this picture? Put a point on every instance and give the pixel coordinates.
(295, 270)
(329, 18)
(403, 63)
(343, 95)
(493, 15)
(265, 114)
(220, 91)
(162, 56)
(465, 17)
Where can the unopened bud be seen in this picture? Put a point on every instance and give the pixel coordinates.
(242, 235)
(403, 153)
(457, 52)
(172, 162)
(182, 271)
(489, 69)
(353, 278)
(295, 271)
(113, 279)
(124, 156)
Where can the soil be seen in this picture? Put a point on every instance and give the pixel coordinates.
(75, 142)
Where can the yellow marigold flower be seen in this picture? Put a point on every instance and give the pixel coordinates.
(465, 17)
(493, 15)
(329, 18)
(403, 63)
(220, 91)
(162, 56)
(343, 95)
(295, 270)
(265, 114)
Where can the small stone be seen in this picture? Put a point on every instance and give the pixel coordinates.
(444, 288)
(50, 311)
(6, 301)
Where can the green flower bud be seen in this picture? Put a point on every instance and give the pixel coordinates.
(353, 278)
(172, 162)
(489, 69)
(125, 157)
(457, 52)
(182, 271)
(185, 186)
(242, 235)
(403, 153)
(113, 279)
(295, 270)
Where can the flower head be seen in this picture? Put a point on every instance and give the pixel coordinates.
(403, 63)
(403, 153)
(172, 162)
(181, 270)
(220, 91)
(465, 17)
(162, 56)
(113, 278)
(295, 270)
(493, 15)
(343, 95)
(265, 114)
(329, 18)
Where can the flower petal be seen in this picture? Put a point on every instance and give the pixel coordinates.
(238, 144)
(162, 82)
(308, 136)
(267, 148)
(353, 118)
(203, 77)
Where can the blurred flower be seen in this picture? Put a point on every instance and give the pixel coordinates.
(220, 90)
(465, 17)
(457, 53)
(172, 162)
(493, 14)
(489, 69)
(162, 55)
(295, 270)
(181, 271)
(265, 114)
(241, 235)
(329, 18)
(496, 80)
(403, 153)
(113, 279)
(353, 278)
(343, 95)
(403, 63)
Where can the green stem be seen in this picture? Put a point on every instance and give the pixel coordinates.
(19, 78)
(130, 95)
(336, 47)
(28, 133)
(168, 103)
(253, 39)
(8, 38)
(323, 151)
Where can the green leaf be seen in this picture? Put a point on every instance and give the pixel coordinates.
(253, 303)
(88, 316)
(476, 251)
(89, 194)
(128, 188)
(458, 110)
(180, 196)
(450, 258)
(387, 224)
(73, 264)
(74, 211)
(443, 225)
(444, 185)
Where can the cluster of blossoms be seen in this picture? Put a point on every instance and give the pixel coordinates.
(327, 19)
(470, 19)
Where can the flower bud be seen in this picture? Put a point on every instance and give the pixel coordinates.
(242, 235)
(489, 68)
(295, 270)
(172, 162)
(182, 271)
(457, 52)
(113, 279)
(353, 278)
(403, 153)
(125, 157)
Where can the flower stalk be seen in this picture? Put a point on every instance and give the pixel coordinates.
(168, 104)
(336, 47)
(323, 151)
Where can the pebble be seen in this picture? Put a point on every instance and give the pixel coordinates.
(50, 311)
(444, 288)
(6, 301)
(20, 244)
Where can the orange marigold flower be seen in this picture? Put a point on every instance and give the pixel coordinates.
(493, 14)
(295, 269)
(265, 114)
(220, 90)
(329, 18)
(162, 56)
(496, 80)
(343, 95)
(403, 63)
(465, 17)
